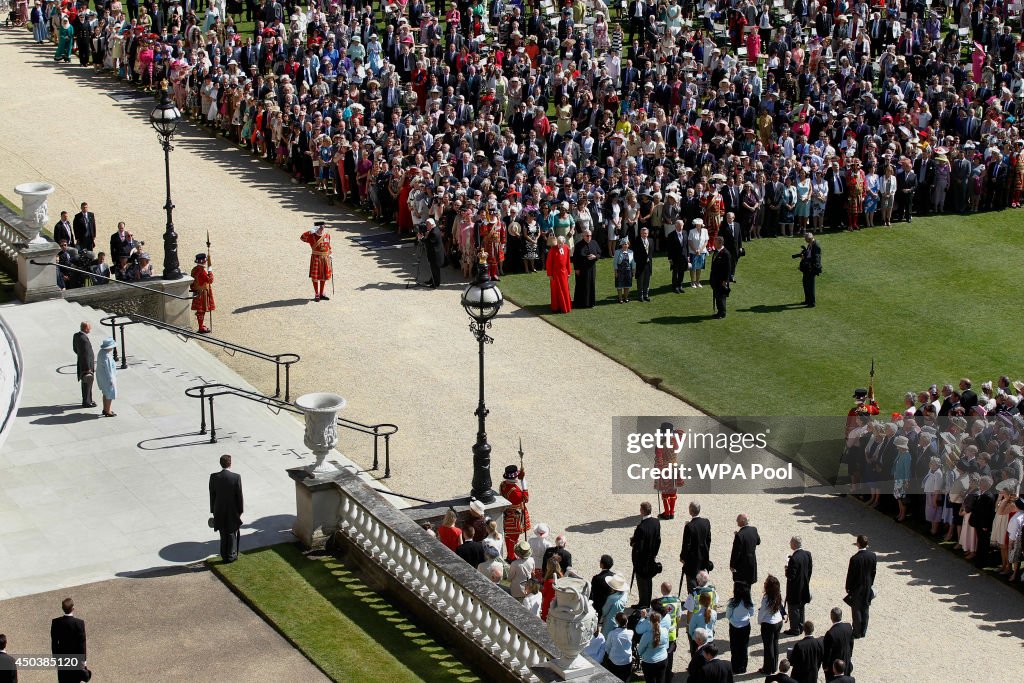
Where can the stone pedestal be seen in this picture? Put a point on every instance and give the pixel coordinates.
(176, 311)
(317, 504)
(36, 283)
(34, 210)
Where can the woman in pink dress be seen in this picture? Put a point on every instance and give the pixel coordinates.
(977, 61)
(559, 265)
(753, 45)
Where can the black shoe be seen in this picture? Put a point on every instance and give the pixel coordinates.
(810, 305)
(316, 298)
(324, 297)
(663, 515)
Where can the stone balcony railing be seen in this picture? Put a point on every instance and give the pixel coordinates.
(35, 283)
(490, 627)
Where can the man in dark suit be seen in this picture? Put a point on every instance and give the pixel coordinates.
(599, 589)
(435, 252)
(798, 584)
(743, 560)
(721, 271)
(968, 399)
(675, 246)
(86, 371)
(733, 236)
(860, 577)
(62, 231)
(714, 670)
(121, 243)
(8, 667)
(84, 226)
(837, 675)
(838, 644)
(646, 542)
(67, 637)
(226, 508)
(643, 252)
(807, 656)
(810, 267)
(982, 516)
(696, 551)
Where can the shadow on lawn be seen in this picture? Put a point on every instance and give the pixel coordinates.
(903, 551)
(339, 582)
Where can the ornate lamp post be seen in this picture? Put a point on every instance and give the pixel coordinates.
(165, 121)
(482, 299)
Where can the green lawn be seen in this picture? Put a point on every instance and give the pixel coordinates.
(930, 302)
(351, 632)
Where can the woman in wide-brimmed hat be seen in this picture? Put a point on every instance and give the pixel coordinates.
(106, 375)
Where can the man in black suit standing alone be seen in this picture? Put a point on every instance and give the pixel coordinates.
(642, 253)
(838, 643)
(860, 577)
(733, 240)
(435, 252)
(810, 266)
(696, 552)
(721, 272)
(82, 347)
(226, 508)
(646, 542)
(8, 667)
(807, 655)
(67, 637)
(84, 227)
(675, 246)
(743, 560)
(798, 584)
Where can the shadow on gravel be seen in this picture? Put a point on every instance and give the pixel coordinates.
(952, 580)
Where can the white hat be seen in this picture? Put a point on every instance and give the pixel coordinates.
(540, 529)
(617, 582)
(477, 507)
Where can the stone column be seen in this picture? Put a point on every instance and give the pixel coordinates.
(36, 283)
(175, 311)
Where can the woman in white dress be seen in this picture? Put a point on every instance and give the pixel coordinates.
(697, 250)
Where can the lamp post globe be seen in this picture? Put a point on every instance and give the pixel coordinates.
(164, 119)
(482, 299)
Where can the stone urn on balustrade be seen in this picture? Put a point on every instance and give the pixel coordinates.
(34, 211)
(571, 624)
(321, 412)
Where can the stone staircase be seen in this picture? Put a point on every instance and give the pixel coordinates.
(86, 498)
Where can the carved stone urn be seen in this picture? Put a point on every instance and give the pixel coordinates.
(571, 623)
(34, 197)
(321, 411)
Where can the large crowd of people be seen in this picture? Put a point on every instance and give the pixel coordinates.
(516, 126)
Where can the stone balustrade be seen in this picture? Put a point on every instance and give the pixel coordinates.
(515, 642)
(17, 251)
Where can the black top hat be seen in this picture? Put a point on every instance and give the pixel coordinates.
(200, 258)
(860, 393)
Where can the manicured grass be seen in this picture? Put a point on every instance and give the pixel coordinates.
(932, 301)
(351, 632)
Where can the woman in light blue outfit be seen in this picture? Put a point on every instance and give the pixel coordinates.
(106, 374)
(653, 647)
(614, 603)
(373, 58)
(803, 202)
(625, 268)
(871, 182)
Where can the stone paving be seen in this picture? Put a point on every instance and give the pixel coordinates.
(408, 357)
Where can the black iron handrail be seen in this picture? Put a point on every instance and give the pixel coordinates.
(285, 360)
(207, 392)
(115, 280)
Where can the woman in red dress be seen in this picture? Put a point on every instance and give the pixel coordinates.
(404, 212)
(419, 80)
(559, 265)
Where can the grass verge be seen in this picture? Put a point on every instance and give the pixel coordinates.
(349, 631)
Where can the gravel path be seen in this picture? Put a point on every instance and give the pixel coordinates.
(408, 357)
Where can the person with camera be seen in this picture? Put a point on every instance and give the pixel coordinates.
(810, 266)
(434, 242)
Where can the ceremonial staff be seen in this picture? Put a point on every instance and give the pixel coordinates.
(209, 265)
(871, 383)
(520, 456)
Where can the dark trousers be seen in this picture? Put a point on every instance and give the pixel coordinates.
(620, 672)
(229, 545)
(644, 588)
(643, 280)
(435, 273)
(770, 640)
(984, 548)
(904, 205)
(796, 616)
(860, 612)
(720, 294)
(87, 381)
(809, 279)
(653, 672)
(678, 273)
(691, 582)
(739, 643)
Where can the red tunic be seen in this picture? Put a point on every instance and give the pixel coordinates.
(559, 265)
(320, 259)
(517, 517)
(202, 285)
